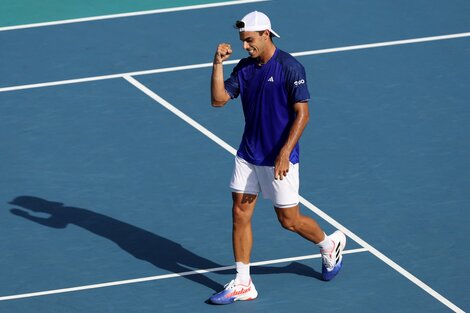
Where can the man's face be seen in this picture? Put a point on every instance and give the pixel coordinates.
(254, 42)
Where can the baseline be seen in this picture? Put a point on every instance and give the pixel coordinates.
(165, 276)
(120, 15)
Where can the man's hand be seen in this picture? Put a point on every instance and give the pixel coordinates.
(281, 166)
(224, 51)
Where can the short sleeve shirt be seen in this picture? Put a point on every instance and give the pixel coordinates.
(268, 93)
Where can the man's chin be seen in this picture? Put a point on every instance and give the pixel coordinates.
(253, 55)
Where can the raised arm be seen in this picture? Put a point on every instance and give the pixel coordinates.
(219, 96)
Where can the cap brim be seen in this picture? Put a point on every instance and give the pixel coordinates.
(274, 33)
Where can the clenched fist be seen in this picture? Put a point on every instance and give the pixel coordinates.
(224, 50)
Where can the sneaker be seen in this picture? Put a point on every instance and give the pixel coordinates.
(235, 291)
(332, 260)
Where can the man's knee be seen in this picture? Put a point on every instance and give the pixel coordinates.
(241, 215)
(289, 218)
(243, 207)
(291, 223)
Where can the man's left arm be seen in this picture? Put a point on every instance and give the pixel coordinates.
(281, 165)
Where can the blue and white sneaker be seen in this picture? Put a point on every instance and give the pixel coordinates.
(235, 291)
(332, 260)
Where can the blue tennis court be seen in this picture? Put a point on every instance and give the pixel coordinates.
(115, 168)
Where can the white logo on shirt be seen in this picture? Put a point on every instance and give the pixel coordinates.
(299, 82)
(271, 79)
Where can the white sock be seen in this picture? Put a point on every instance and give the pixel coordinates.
(243, 273)
(326, 245)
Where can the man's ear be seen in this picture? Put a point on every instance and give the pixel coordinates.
(267, 34)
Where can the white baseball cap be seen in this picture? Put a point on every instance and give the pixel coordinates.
(255, 21)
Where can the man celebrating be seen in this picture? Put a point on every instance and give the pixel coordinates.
(273, 89)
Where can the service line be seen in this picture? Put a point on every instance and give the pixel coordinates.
(205, 65)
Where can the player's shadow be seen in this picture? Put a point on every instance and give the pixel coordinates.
(140, 243)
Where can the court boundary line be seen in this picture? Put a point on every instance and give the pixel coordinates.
(209, 64)
(128, 14)
(304, 201)
(165, 276)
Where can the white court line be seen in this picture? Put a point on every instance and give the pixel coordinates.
(166, 276)
(181, 115)
(129, 14)
(204, 65)
(304, 201)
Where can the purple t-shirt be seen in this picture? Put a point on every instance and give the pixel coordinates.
(268, 93)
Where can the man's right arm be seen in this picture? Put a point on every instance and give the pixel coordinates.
(219, 96)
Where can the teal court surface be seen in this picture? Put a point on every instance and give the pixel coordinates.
(115, 168)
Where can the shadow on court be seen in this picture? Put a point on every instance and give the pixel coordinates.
(142, 244)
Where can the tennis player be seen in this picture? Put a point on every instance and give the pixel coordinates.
(273, 89)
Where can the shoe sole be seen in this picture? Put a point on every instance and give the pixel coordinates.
(223, 301)
(327, 276)
(230, 301)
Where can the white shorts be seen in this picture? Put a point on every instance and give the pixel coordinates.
(251, 179)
